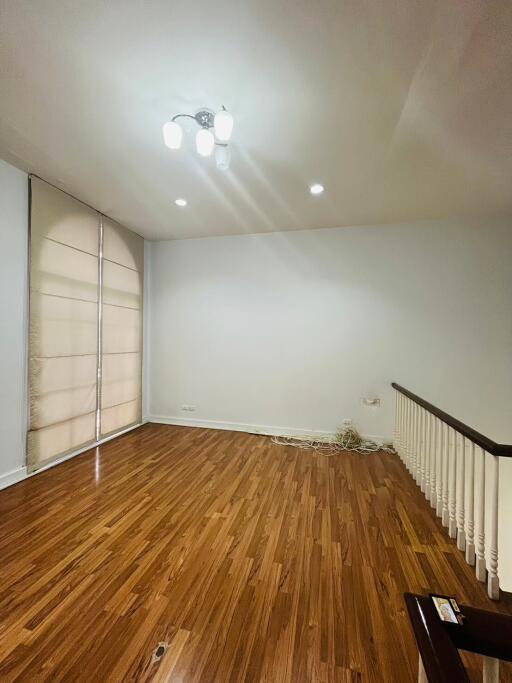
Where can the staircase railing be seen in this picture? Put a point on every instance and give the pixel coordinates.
(450, 462)
(485, 633)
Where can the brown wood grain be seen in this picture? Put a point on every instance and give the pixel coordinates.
(251, 561)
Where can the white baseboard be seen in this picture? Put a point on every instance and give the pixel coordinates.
(12, 477)
(250, 428)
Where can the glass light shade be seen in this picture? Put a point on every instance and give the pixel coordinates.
(223, 125)
(173, 134)
(222, 157)
(204, 142)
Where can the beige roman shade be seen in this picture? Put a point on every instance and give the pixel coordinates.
(64, 295)
(121, 361)
(85, 342)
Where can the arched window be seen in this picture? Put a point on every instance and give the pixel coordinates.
(85, 343)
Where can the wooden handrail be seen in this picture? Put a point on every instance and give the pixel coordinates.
(486, 633)
(502, 450)
(438, 653)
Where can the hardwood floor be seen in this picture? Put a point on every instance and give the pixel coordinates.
(249, 561)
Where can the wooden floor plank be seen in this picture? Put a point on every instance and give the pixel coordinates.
(249, 561)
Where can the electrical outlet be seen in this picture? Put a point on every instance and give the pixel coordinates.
(347, 422)
(188, 408)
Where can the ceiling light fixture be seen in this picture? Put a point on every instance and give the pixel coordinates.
(173, 134)
(206, 140)
(223, 125)
(180, 202)
(222, 156)
(316, 188)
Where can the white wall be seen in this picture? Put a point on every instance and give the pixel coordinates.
(287, 331)
(13, 312)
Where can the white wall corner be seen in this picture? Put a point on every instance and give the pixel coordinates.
(13, 477)
(14, 310)
(146, 331)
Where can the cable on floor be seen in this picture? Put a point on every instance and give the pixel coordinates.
(346, 439)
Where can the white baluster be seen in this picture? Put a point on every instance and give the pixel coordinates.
(417, 460)
(413, 440)
(480, 546)
(396, 433)
(403, 436)
(491, 670)
(408, 447)
(440, 478)
(446, 477)
(422, 449)
(493, 585)
(412, 469)
(452, 526)
(428, 455)
(401, 426)
(434, 459)
(470, 541)
(461, 495)
(422, 676)
(403, 430)
(435, 462)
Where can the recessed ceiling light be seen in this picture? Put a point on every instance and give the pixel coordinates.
(180, 202)
(316, 188)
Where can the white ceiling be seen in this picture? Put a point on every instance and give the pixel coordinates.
(401, 108)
